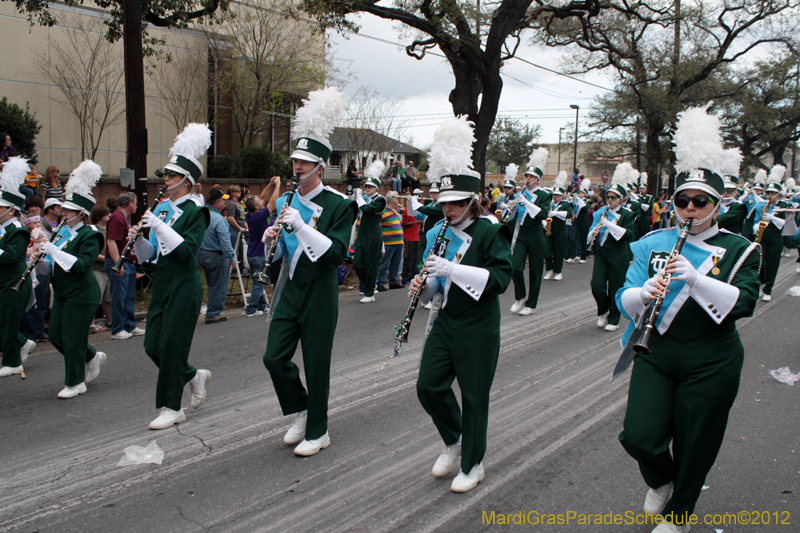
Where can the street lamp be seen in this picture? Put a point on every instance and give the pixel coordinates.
(559, 148)
(575, 158)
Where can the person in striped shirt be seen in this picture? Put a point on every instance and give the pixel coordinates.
(392, 260)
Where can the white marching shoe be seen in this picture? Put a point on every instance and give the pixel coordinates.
(797, 269)
(298, 429)
(656, 499)
(367, 299)
(466, 482)
(10, 370)
(570, 260)
(611, 327)
(549, 275)
(312, 447)
(93, 367)
(168, 418)
(427, 305)
(602, 320)
(672, 528)
(71, 392)
(558, 277)
(446, 460)
(527, 311)
(26, 349)
(518, 305)
(581, 261)
(199, 389)
(766, 298)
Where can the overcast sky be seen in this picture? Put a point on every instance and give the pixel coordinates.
(529, 94)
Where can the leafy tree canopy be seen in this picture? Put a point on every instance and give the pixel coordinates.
(22, 126)
(511, 141)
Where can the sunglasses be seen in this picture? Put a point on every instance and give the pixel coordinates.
(699, 201)
(174, 175)
(611, 197)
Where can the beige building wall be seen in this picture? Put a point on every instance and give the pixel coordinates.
(58, 142)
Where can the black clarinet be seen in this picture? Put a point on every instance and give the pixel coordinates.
(273, 247)
(439, 248)
(36, 259)
(139, 228)
(641, 345)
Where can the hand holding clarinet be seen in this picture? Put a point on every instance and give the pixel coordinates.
(134, 233)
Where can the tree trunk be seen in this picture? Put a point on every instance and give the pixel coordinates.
(652, 152)
(136, 158)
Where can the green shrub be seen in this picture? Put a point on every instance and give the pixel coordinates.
(22, 126)
(221, 166)
(259, 164)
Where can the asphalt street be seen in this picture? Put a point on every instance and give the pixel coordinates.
(553, 430)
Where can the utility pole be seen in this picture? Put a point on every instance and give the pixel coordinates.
(559, 148)
(136, 158)
(575, 158)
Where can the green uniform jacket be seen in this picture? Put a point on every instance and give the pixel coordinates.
(733, 218)
(191, 225)
(558, 226)
(13, 245)
(581, 218)
(369, 228)
(619, 248)
(79, 284)
(543, 199)
(433, 214)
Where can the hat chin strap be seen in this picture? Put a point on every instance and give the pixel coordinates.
(458, 221)
(699, 222)
(70, 221)
(177, 184)
(312, 172)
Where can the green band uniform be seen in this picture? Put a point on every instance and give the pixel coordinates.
(369, 243)
(14, 239)
(555, 246)
(529, 244)
(611, 259)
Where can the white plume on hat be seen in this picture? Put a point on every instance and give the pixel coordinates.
(511, 171)
(193, 141)
(789, 184)
(624, 174)
(538, 159)
(375, 170)
(776, 174)
(761, 176)
(13, 174)
(451, 151)
(731, 160)
(561, 180)
(697, 140)
(586, 184)
(319, 113)
(83, 179)
(643, 179)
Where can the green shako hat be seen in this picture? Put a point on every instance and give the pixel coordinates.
(373, 173)
(560, 184)
(434, 187)
(79, 187)
(11, 179)
(698, 152)
(731, 160)
(314, 122)
(776, 175)
(759, 179)
(624, 174)
(451, 161)
(190, 145)
(511, 176)
(537, 162)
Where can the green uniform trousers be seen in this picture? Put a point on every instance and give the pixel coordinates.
(366, 258)
(171, 319)
(555, 246)
(464, 348)
(771, 250)
(12, 309)
(608, 276)
(305, 313)
(681, 392)
(530, 243)
(69, 333)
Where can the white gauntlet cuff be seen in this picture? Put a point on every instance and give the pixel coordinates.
(532, 208)
(314, 243)
(143, 248)
(616, 231)
(64, 259)
(168, 239)
(470, 279)
(716, 297)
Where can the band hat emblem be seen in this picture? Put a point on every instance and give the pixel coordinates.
(447, 183)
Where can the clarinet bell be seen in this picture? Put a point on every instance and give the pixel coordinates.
(402, 331)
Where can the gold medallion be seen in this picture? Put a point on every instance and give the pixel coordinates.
(715, 271)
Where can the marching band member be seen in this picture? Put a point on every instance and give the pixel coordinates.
(632, 203)
(646, 205)
(75, 289)
(533, 205)
(732, 212)
(464, 340)
(430, 214)
(611, 231)
(792, 219)
(369, 242)
(755, 197)
(314, 243)
(555, 244)
(177, 227)
(14, 240)
(507, 204)
(772, 235)
(683, 390)
(580, 224)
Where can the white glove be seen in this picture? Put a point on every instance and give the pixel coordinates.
(686, 271)
(551, 214)
(151, 221)
(648, 289)
(439, 266)
(606, 223)
(49, 248)
(358, 193)
(522, 199)
(767, 217)
(293, 218)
